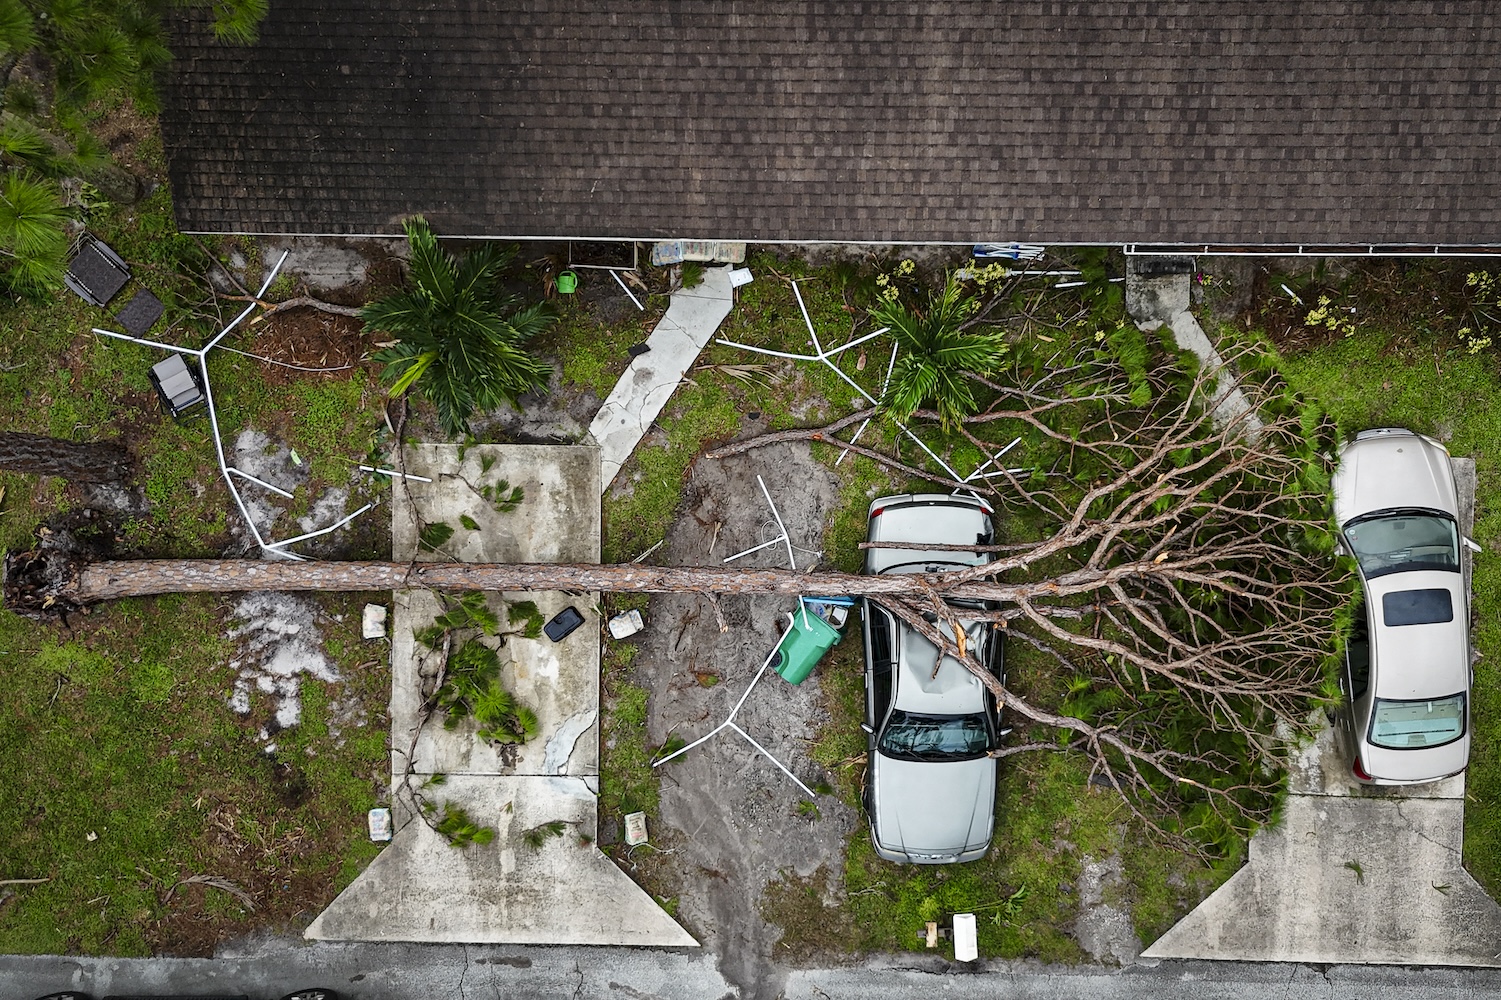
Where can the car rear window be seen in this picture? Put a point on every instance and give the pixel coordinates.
(1417, 724)
(1417, 607)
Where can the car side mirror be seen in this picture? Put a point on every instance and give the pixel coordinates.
(1003, 733)
(1472, 545)
(866, 726)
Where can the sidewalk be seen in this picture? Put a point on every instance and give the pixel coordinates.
(566, 891)
(690, 321)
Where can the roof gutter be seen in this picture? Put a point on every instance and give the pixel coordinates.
(1130, 249)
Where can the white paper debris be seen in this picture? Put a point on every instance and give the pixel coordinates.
(635, 829)
(626, 624)
(379, 821)
(374, 623)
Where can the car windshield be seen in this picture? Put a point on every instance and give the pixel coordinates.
(1404, 540)
(935, 737)
(1417, 724)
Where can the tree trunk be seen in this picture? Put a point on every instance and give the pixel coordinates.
(88, 462)
(53, 581)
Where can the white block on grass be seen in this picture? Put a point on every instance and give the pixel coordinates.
(966, 938)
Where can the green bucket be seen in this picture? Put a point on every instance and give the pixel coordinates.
(568, 283)
(803, 646)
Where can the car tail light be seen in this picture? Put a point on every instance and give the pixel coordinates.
(877, 512)
(1359, 771)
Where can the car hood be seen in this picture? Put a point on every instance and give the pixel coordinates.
(1416, 766)
(1420, 661)
(1389, 470)
(934, 808)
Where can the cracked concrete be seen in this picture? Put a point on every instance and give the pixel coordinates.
(691, 319)
(1353, 874)
(562, 890)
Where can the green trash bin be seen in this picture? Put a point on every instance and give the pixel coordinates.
(804, 645)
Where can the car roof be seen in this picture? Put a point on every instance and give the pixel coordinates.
(1419, 661)
(1391, 468)
(936, 518)
(953, 690)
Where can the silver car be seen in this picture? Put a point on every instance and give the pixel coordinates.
(1406, 676)
(930, 725)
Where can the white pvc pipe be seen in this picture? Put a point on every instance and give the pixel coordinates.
(322, 531)
(616, 275)
(259, 482)
(393, 473)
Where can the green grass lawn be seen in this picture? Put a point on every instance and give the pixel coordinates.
(127, 771)
(128, 774)
(1402, 377)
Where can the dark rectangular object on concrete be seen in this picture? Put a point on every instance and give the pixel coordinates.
(563, 623)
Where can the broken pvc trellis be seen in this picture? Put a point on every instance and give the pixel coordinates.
(276, 548)
(826, 357)
(729, 723)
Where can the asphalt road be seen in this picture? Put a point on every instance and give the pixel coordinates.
(410, 972)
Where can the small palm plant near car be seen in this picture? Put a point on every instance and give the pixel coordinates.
(938, 358)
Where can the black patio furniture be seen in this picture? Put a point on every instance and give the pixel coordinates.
(178, 385)
(140, 313)
(96, 273)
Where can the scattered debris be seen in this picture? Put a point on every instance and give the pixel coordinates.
(379, 822)
(966, 938)
(373, 624)
(279, 642)
(635, 829)
(626, 624)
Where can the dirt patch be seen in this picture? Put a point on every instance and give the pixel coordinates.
(736, 821)
(301, 339)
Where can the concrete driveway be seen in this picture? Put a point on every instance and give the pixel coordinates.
(1352, 874)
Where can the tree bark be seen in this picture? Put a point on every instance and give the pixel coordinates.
(103, 581)
(86, 462)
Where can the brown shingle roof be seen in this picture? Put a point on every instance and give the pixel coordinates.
(954, 120)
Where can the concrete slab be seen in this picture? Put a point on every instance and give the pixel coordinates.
(558, 681)
(642, 392)
(1299, 898)
(1354, 874)
(557, 521)
(564, 891)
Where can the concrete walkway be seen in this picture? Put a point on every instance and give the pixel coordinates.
(566, 891)
(639, 397)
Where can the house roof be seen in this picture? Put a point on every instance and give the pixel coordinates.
(1223, 121)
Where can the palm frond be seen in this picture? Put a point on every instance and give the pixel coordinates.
(17, 29)
(478, 270)
(432, 268)
(402, 314)
(938, 356)
(238, 21)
